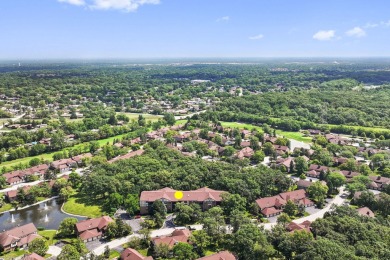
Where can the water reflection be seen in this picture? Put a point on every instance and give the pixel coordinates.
(47, 215)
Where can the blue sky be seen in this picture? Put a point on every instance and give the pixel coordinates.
(45, 29)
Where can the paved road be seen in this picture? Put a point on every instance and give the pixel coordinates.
(14, 119)
(338, 200)
(120, 241)
(189, 115)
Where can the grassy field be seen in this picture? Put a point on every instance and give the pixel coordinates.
(294, 135)
(5, 207)
(82, 206)
(291, 135)
(12, 255)
(146, 116)
(114, 254)
(240, 125)
(49, 156)
(374, 128)
(49, 236)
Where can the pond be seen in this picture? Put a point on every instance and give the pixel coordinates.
(46, 214)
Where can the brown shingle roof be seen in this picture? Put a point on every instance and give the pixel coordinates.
(33, 256)
(23, 233)
(93, 223)
(223, 255)
(365, 212)
(127, 156)
(176, 237)
(195, 195)
(132, 254)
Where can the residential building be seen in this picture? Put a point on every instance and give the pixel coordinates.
(18, 237)
(305, 225)
(378, 182)
(127, 156)
(132, 254)
(177, 236)
(247, 152)
(63, 165)
(33, 256)
(20, 176)
(223, 255)
(272, 206)
(365, 212)
(205, 197)
(92, 229)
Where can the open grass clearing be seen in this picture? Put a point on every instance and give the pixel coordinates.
(49, 236)
(146, 116)
(79, 205)
(295, 135)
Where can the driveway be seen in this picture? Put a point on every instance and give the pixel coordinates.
(135, 224)
(338, 200)
(54, 250)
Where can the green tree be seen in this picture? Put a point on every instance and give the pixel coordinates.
(169, 118)
(231, 202)
(3, 182)
(184, 214)
(38, 246)
(335, 179)
(268, 149)
(258, 156)
(290, 208)
(284, 219)
(69, 252)
(300, 165)
(34, 162)
(201, 240)
(67, 227)
(159, 212)
(317, 191)
(183, 251)
(131, 203)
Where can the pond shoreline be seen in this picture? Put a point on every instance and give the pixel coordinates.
(74, 215)
(28, 206)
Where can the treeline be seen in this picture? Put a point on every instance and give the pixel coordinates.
(161, 167)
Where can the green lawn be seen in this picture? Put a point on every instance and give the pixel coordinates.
(240, 125)
(146, 116)
(114, 254)
(49, 236)
(180, 122)
(374, 128)
(49, 156)
(79, 205)
(143, 252)
(5, 207)
(209, 252)
(12, 254)
(294, 135)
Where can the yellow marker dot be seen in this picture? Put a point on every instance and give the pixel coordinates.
(179, 195)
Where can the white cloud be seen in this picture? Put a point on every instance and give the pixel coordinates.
(223, 19)
(73, 2)
(256, 37)
(124, 5)
(370, 25)
(387, 24)
(356, 32)
(324, 35)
